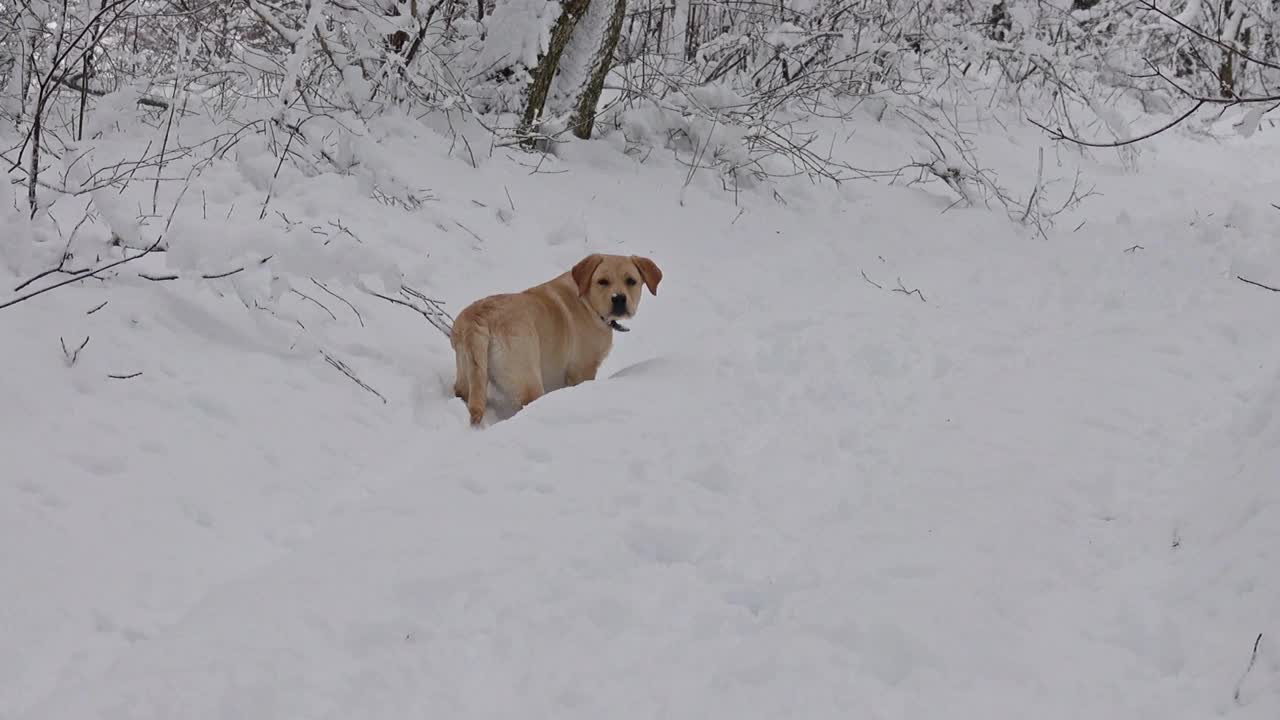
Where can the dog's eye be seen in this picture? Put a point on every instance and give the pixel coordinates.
(631, 281)
(603, 282)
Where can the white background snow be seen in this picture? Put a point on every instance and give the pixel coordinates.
(1047, 485)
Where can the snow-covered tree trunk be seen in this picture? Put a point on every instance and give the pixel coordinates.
(674, 44)
(586, 62)
(31, 20)
(571, 11)
(1226, 70)
(584, 115)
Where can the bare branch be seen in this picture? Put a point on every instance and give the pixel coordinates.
(902, 289)
(342, 367)
(1257, 284)
(1059, 135)
(71, 357)
(1253, 657)
(81, 276)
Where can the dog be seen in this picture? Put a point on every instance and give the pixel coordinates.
(550, 336)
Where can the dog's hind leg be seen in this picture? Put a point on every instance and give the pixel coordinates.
(475, 357)
(517, 370)
(462, 360)
(528, 392)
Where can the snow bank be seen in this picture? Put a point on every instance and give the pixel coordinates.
(799, 489)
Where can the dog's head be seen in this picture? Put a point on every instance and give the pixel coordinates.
(610, 284)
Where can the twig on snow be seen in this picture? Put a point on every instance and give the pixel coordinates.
(104, 304)
(82, 275)
(1258, 284)
(66, 254)
(435, 308)
(470, 231)
(433, 312)
(1134, 248)
(42, 274)
(342, 230)
(1035, 192)
(229, 273)
(340, 298)
(317, 302)
(71, 357)
(905, 291)
(125, 377)
(873, 282)
(271, 186)
(342, 367)
(1252, 659)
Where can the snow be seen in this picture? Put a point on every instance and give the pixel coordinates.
(1042, 486)
(518, 31)
(1190, 14)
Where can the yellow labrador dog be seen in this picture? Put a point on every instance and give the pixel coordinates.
(550, 336)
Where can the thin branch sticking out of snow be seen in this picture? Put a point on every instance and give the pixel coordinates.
(1253, 658)
(342, 368)
(1257, 284)
(433, 311)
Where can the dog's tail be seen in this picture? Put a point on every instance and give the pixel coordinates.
(474, 342)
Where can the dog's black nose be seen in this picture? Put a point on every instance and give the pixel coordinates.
(619, 304)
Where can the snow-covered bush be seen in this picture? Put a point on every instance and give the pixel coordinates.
(725, 84)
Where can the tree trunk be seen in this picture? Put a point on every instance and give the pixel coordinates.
(570, 12)
(584, 112)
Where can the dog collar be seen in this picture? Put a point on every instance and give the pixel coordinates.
(616, 326)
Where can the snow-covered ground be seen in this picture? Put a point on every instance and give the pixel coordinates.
(1046, 485)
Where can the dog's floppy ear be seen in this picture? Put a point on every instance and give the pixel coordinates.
(649, 272)
(584, 269)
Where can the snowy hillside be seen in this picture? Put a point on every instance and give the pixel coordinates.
(1042, 485)
(937, 413)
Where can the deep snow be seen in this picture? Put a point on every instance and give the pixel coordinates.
(1043, 486)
